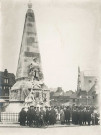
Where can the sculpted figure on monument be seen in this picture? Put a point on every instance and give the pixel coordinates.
(34, 70)
(30, 97)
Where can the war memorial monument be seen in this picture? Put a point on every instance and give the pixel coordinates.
(29, 88)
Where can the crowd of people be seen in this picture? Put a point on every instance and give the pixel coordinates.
(38, 117)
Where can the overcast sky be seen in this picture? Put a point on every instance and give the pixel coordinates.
(68, 35)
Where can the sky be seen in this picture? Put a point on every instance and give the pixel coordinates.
(68, 34)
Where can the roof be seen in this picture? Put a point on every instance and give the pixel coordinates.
(83, 92)
(7, 75)
(90, 73)
(2, 74)
(64, 94)
(56, 94)
(73, 96)
(23, 84)
(94, 89)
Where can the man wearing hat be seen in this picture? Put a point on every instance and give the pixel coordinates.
(42, 116)
(52, 116)
(47, 115)
(37, 116)
(88, 116)
(67, 115)
(31, 115)
(22, 117)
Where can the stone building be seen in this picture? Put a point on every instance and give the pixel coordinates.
(7, 80)
(87, 80)
(59, 97)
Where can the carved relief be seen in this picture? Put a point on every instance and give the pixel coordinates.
(14, 95)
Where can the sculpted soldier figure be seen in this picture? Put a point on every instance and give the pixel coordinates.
(35, 70)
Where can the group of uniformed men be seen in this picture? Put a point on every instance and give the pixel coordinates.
(38, 117)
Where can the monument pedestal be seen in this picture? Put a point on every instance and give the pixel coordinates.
(14, 107)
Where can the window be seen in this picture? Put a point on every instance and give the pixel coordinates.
(6, 94)
(5, 80)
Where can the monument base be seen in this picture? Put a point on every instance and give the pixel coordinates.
(11, 113)
(14, 107)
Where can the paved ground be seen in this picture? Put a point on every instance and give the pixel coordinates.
(18, 126)
(78, 130)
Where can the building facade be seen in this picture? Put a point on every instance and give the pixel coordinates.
(7, 80)
(87, 88)
(61, 98)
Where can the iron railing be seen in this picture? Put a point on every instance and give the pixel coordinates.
(9, 117)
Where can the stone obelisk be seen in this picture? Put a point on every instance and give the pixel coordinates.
(29, 86)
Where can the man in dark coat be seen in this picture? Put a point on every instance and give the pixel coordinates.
(52, 116)
(47, 116)
(37, 117)
(84, 116)
(88, 116)
(22, 117)
(27, 116)
(77, 116)
(42, 117)
(31, 115)
(80, 116)
(73, 116)
(67, 115)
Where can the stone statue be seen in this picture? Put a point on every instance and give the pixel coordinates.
(35, 70)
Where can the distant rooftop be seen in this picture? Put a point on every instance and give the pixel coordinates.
(91, 73)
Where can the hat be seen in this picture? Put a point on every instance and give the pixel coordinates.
(31, 106)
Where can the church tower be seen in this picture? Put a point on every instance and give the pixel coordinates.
(29, 87)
